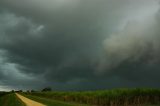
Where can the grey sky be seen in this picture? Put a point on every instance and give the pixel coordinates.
(79, 44)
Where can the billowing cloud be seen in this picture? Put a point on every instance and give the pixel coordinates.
(137, 41)
(72, 43)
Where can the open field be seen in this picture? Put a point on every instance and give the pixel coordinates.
(10, 99)
(116, 97)
(51, 102)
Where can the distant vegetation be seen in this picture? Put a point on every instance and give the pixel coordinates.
(47, 89)
(116, 97)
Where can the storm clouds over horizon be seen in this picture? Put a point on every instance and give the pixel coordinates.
(79, 44)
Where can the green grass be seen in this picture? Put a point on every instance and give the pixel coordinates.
(3, 93)
(51, 102)
(10, 100)
(112, 97)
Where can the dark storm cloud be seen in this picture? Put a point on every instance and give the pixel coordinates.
(60, 43)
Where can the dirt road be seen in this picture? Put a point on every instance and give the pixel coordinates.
(29, 102)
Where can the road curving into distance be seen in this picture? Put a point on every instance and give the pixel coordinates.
(29, 102)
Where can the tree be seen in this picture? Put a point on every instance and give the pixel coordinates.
(33, 90)
(12, 91)
(47, 89)
(28, 91)
(20, 90)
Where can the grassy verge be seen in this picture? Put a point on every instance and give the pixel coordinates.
(51, 102)
(10, 100)
(3, 93)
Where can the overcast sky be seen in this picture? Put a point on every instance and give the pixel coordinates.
(79, 44)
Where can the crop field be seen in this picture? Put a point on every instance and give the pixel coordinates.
(3, 93)
(116, 97)
(10, 99)
(52, 102)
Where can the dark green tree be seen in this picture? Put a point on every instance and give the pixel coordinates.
(47, 89)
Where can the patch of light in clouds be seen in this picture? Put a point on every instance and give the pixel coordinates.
(142, 12)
